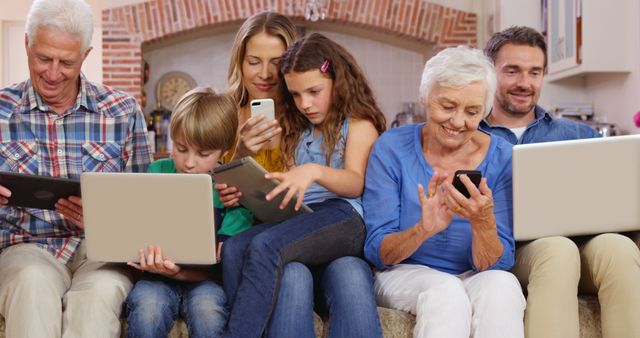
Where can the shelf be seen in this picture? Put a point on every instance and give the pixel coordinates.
(157, 156)
(579, 72)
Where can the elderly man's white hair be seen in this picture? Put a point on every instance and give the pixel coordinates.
(73, 17)
(457, 67)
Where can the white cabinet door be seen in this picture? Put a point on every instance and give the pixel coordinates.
(562, 34)
(14, 67)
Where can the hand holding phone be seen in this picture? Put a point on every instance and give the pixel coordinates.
(474, 175)
(265, 107)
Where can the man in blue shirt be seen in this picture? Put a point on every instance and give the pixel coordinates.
(550, 268)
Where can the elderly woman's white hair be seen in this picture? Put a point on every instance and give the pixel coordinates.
(457, 67)
(73, 17)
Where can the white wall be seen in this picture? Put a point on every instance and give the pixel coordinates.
(519, 13)
(393, 73)
(617, 96)
(205, 59)
(13, 59)
(12, 14)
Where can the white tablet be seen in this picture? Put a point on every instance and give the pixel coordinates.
(248, 176)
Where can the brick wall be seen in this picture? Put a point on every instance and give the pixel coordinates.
(126, 28)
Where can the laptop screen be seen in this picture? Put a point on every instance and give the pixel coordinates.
(125, 212)
(576, 187)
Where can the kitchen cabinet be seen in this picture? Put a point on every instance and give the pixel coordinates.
(588, 36)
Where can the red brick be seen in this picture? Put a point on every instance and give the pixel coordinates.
(116, 69)
(236, 10)
(119, 76)
(116, 54)
(119, 83)
(120, 46)
(129, 61)
(125, 28)
(132, 89)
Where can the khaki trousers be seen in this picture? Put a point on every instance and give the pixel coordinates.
(552, 271)
(40, 297)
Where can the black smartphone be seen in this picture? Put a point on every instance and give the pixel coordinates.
(474, 175)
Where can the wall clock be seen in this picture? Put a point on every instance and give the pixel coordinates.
(171, 87)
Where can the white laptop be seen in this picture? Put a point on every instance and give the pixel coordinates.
(577, 187)
(125, 212)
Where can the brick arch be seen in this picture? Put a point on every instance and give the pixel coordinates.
(126, 28)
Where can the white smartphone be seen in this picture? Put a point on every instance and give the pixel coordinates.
(265, 107)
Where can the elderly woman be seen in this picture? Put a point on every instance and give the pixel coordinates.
(440, 255)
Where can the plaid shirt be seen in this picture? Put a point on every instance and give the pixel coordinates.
(104, 131)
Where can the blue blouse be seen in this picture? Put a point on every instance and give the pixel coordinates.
(391, 204)
(311, 150)
(543, 129)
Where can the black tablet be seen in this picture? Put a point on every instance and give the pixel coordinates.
(41, 192)
(248, 176)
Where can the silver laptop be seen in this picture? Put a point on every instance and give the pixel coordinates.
(577, 187)
(125, 212)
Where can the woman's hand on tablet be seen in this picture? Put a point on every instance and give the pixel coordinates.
(71, 209)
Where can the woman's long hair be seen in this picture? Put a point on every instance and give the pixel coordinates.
(352, 96)
(271, 23)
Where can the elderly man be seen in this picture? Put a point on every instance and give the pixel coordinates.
(554, 269)
(57, 123)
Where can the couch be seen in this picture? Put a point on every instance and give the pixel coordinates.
(397, 324)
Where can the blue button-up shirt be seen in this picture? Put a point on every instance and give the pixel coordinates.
(391, 204)
(543, 129)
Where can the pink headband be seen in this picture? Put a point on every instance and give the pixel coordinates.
(325, 66)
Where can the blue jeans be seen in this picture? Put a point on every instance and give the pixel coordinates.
(154, 303)
(347, 293)
(253, 261)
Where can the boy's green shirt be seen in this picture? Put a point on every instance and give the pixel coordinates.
(235, 220)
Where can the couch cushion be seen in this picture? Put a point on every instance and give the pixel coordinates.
(398, 324)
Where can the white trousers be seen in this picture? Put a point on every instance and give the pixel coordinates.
(484, 304)
(41, 297)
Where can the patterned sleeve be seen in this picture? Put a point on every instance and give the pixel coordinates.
(137, 147)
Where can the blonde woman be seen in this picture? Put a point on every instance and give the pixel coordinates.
(253, 74)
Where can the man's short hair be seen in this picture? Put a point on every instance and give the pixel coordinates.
(517, 35)
(205, 119)
(73, 17)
